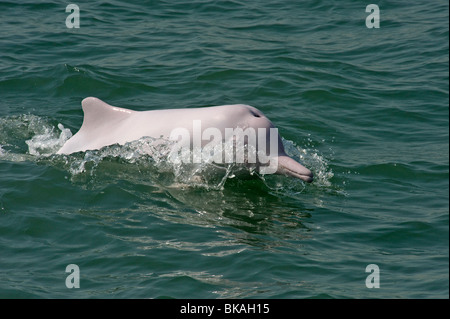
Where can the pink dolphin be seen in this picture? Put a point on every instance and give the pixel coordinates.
(105, 125)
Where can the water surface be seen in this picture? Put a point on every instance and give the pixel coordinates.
(365, 109)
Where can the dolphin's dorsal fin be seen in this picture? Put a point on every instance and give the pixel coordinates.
(99, 127)
(98, 113)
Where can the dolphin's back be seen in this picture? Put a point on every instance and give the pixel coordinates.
(104, 124)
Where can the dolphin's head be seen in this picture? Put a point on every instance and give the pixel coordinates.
(279, 161)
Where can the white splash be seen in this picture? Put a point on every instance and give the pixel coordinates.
(313, 160)
(48, 142)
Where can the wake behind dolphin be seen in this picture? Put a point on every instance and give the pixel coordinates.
(198, 130)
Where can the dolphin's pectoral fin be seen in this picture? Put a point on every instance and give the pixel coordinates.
(290, 167)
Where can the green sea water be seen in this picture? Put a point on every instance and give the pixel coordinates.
(366, 109)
